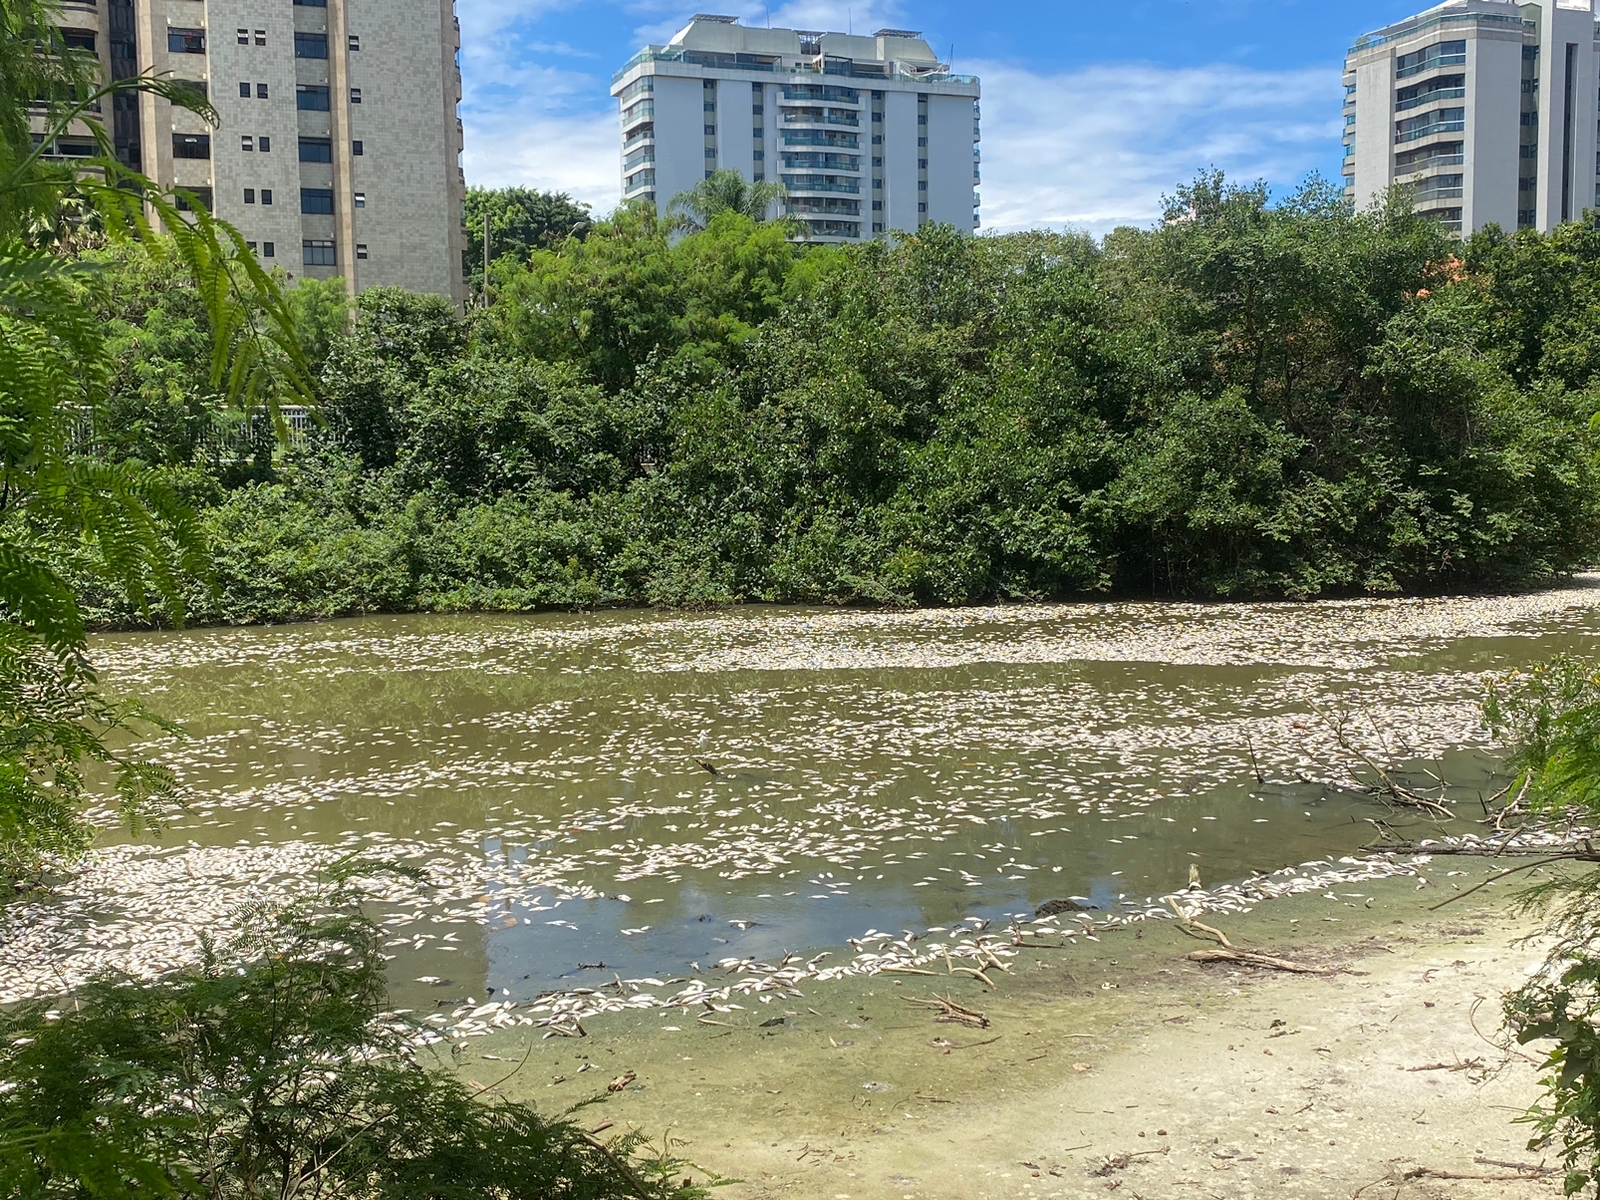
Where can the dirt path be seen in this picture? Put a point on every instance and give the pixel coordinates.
(1128, 1071)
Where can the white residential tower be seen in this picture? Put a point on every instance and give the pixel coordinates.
(868, 134)
(1485, 110)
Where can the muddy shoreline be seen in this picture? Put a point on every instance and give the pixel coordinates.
(1110, 1066)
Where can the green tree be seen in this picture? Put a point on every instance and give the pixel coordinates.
(724, 191)
(521, 220)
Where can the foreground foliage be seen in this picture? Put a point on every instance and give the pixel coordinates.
(272, 1071)
(1550, 718)
(63, 515)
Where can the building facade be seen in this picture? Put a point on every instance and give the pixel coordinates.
(339, 148)
(1485, 111)
(868, 135)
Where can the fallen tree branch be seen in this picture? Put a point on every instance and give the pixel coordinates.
(1250, 958)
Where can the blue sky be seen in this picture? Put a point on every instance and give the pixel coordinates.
(1091, 111)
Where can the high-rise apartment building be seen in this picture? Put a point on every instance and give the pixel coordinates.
(338, 152)
(1485, 111)
(867, 134)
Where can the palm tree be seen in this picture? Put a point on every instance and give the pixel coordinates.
(720, 192)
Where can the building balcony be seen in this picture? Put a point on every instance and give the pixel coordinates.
(825, 138)
(1441, 121)
(824, 206)
(1436, 194)
(821, 93)
(1427, 164)
(816, 116)
(638, 137)
(827, 229)
(637, 114)
(1433, 97)
(800, 185)
(817, 160)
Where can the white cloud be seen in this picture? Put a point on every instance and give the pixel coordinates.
(1097, 148)
(579, 153)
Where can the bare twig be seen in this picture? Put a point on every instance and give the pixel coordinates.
(1581, 856)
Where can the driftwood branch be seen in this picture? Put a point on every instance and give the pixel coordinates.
(1249, 958)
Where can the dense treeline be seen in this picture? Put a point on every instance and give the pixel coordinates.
(1246, 400)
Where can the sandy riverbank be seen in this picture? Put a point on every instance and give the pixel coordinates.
(1220, 1082)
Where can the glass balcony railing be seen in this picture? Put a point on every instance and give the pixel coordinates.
(1431, 97)
(821, 183)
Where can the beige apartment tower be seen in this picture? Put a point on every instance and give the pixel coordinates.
(1484, 111)
(339, 148)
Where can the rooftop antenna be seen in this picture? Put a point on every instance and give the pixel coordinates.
(769, 16)
(850, 21)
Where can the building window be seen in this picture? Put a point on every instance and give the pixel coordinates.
(244, 91)
(877, 161)
(252, 246)
(923, 207)
(310, 97)
(311, 45)
(269, 250)
(361, 200)
(877, 227)
(191, 145)
(877, 206)
(877, 139)
(357, 149)
(355, 95)
(244, 36)
(78, 39)
(355, 41)
(922, 118)
(922, 185)
(261, 91)
(318, 253)
(759, 176)
(186, 41)
(311, 3)
(759, 155)
(711, 152)
(266, 195)
(261, 37)
(316, 150)
(922, 164)
(361, 249)
(246, 142)
(249, 195)
(264, 144)
(192, 199)
(711, 131)
(316, 200)
(922, 142)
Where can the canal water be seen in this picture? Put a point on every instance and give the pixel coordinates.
(642, 794)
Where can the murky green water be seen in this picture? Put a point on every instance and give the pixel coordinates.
(871, 770)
